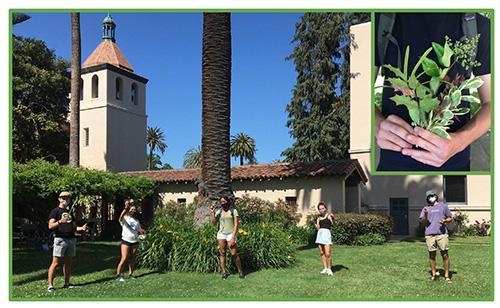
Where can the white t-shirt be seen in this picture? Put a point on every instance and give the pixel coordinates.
(130, 229)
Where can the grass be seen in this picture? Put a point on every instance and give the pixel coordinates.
(393, 271)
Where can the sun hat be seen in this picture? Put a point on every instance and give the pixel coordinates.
(65, 194)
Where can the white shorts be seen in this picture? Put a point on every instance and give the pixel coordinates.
(226, 236)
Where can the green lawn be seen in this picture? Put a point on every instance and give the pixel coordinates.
(396, 270)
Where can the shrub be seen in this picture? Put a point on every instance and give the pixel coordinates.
(346, 226)
(254, 210)
(173, 243)
(302, 235)
(369, 239)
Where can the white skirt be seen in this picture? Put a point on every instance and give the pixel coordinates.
(324, 237)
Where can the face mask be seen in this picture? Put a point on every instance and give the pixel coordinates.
(431, 199)
(323, 212)
(225, 206)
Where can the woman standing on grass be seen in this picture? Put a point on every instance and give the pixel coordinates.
(131, 229)
(324, 238)
(227, 218)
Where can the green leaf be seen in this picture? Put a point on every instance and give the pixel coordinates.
(447, 114)
(446, 58)
(421, 91)
(422, 58)
(444, 71)
(472, 83)
(438, 50)
(429, 103)
(456, 97)
(434, 84)
(398, 82)
(431, 68)
(461, 111)
(404, 100)
(471, 99)
(405, 68)
(413, 82)
(440, 131)
(396, 71)
(415, 115)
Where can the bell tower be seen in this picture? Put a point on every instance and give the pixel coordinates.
(112, 109)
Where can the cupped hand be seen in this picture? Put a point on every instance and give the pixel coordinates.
(433, 150)
(392, 134)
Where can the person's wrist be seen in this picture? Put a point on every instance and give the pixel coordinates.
(459, 141)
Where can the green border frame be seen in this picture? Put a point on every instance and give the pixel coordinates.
(276, 10)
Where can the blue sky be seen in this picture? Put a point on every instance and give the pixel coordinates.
(166, 49)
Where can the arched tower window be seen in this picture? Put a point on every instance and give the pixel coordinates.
(119, 88)
(81, 89)
(95, 86)
(133, 94)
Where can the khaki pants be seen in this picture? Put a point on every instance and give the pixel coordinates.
(437, 241)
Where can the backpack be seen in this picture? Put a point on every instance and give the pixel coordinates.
(384, 35)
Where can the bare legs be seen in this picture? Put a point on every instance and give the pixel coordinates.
(222, 256)
(66, 269)
(325, 253)
(446, 262)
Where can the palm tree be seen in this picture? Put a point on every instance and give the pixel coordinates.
(243, 146)
(155, 140)
(216, 104)
(76, 55)
(192, 158)
(155, 161)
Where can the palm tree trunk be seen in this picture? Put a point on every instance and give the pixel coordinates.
(241, 160)
(216, 111)
(150, 158)
(74, 136)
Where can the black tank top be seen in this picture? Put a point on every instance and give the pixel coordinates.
(325, 223)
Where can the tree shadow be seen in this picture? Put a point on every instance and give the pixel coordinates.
(105, 279)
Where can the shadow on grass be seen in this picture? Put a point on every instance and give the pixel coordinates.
(91, 258)
(105, 279)
(339, 267)
(441, 273)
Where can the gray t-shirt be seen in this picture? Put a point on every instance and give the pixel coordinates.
(437, 212)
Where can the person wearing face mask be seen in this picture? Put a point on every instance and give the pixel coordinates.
(131, 229)
(324, 237)
(227, 218)
(434, 217)
(65, 227)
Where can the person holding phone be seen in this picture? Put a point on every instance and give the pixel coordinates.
(131, 229)
(64, 249)
(324, 238)
(226, 217)
(434, 217)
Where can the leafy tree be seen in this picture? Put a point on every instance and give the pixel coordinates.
(166, 166)
(243, 146)
(155, 140)
(76, 60)
(18, 18)
(216, 103)
(192, 158)
(318, 114)
(40, 87)
(155, 161)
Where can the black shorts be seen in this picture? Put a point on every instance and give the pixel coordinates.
(129, 244)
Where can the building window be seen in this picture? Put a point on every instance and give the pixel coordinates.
(291, 201)
(81, 89)
(455, 188)
(133, 94)
(181, 200)
(119, 88)
(95, 86)
(86, 135)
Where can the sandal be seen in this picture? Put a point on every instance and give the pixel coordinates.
(447, 279)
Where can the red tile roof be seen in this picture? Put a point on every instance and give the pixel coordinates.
(107, 52)
(342, 168)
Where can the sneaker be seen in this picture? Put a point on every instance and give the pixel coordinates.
(120, 279)
(225, 275)
(324, 271)
(329, 272)
(131, 277)
(241, 275)
(51, 289)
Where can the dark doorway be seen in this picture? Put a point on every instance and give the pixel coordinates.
(399, 214)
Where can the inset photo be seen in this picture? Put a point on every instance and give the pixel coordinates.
(432, 91)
